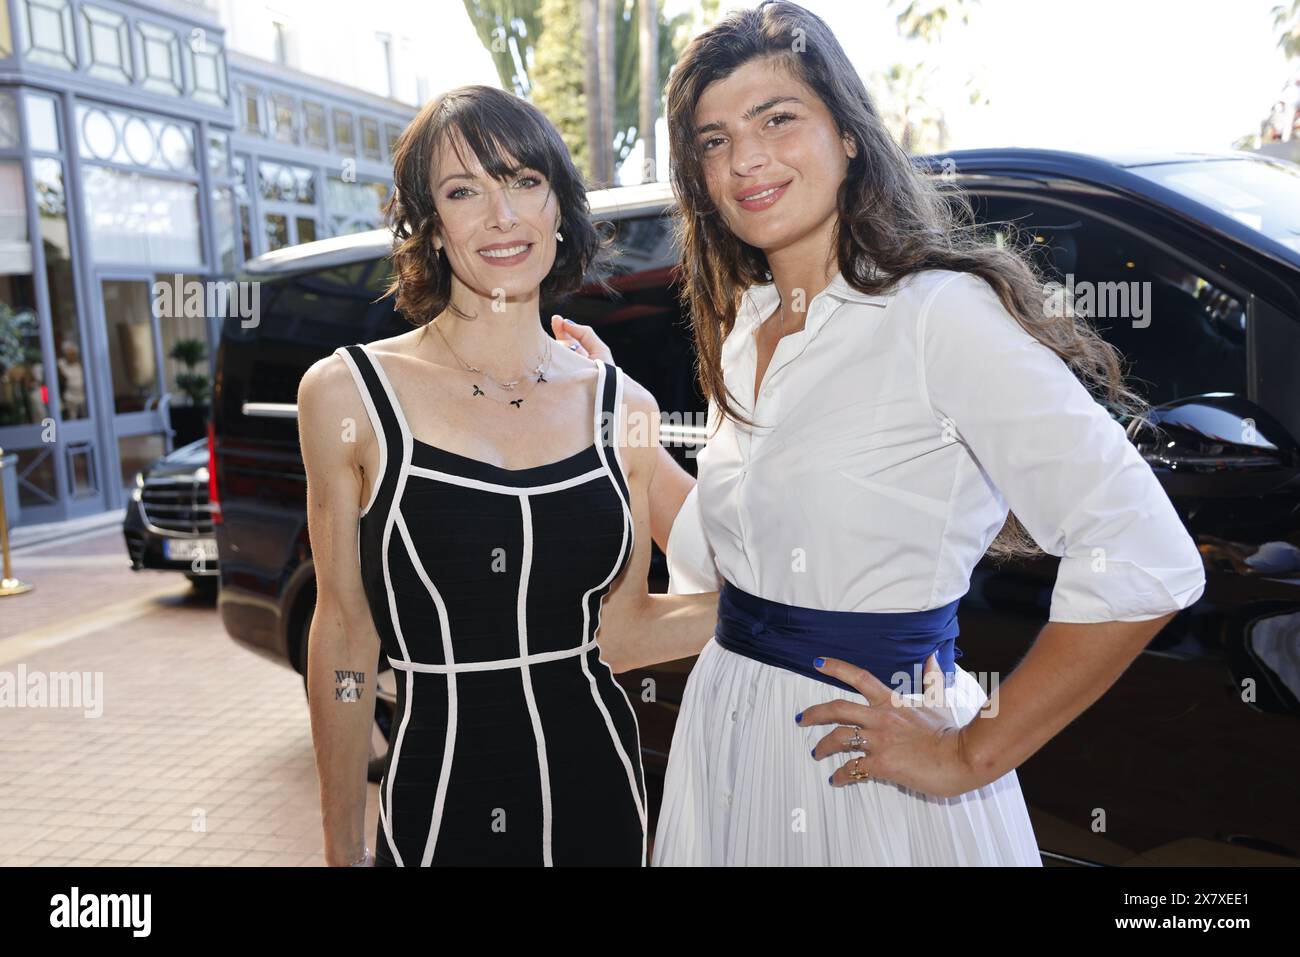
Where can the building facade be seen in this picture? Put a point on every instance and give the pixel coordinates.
(137, 149)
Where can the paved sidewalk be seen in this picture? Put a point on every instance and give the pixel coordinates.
(202, 754)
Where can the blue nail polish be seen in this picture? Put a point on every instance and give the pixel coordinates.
(831, 780)
(813, 752)
(797, 717)
(818, 662)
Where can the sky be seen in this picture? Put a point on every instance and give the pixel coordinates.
(1086, 74)
(1089, 75)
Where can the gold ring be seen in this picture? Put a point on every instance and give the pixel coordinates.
(857, 773)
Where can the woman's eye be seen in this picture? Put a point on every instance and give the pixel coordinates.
(782, 116)
(454, 193)
(534, 179)
(712, 139)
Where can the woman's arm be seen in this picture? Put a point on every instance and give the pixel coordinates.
(638, 628)
(671, 483)
(343, 646)
(668, 489)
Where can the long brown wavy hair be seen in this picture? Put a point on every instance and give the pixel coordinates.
(506, 133)
(892, 219)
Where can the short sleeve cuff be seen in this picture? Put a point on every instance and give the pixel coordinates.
(691, 567)
(1087, 591)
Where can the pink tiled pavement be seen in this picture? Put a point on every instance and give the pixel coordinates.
(203, 753)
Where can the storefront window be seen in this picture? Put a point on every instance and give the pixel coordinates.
(22, 380)
(51, 202)
(128, 322)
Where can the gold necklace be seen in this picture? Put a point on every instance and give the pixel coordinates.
(539, 370)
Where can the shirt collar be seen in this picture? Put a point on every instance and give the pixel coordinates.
(761, 298)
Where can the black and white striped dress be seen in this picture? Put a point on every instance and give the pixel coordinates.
(512, 743)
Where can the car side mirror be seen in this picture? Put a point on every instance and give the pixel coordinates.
(1218, 445)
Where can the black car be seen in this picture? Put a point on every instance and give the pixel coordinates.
(168, 525)
(1187, 759)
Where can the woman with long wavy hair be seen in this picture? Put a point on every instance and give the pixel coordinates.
(883, 382)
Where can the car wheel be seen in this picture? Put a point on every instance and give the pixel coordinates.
(385, 707)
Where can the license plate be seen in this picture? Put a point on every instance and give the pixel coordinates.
(186, 549)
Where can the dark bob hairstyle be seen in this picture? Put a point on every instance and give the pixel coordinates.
(506, 134)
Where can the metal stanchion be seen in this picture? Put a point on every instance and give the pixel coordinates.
(8, 584)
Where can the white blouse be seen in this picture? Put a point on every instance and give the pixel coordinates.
(897, 430)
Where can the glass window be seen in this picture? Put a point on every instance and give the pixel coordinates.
(285, 114)
(306, 229)
(1179, 333)
(314, 125)
(391, 134)
(354, 207)
(224, 219)
(8, 120)
(51, 204)
(1263, 194)
(135, 139)
(162, 59)
(183, 329)
(133, 218)
(208, 68)
(277, 231)
(128, 321)
(251, 98)
(345, 140)
(107, 44)
(22, 379)
(218, 154)
(370, 138)
(48, 28)
(42, 122)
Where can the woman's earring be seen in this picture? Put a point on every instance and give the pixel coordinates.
(558, 237)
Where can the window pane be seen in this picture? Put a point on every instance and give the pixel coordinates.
(134, 218)
(42, 122)
(128, 325)
(223, 209)
(22, 380)
(51, 201)
(277, 231)
(306, 230)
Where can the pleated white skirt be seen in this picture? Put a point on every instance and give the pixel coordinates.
(742, 787)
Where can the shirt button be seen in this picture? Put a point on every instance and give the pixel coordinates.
(733, 715)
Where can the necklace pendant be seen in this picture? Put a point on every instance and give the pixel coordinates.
(509, 385)
(517, 402)
(477, 390)
(540, 377)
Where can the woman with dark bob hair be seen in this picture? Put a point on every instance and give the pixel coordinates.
(882, 382)
(477, 503)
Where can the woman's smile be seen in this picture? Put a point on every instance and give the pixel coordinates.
(506, 254)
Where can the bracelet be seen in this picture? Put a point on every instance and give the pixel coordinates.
(365, 860)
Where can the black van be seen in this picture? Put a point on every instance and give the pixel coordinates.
(1189, 758)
